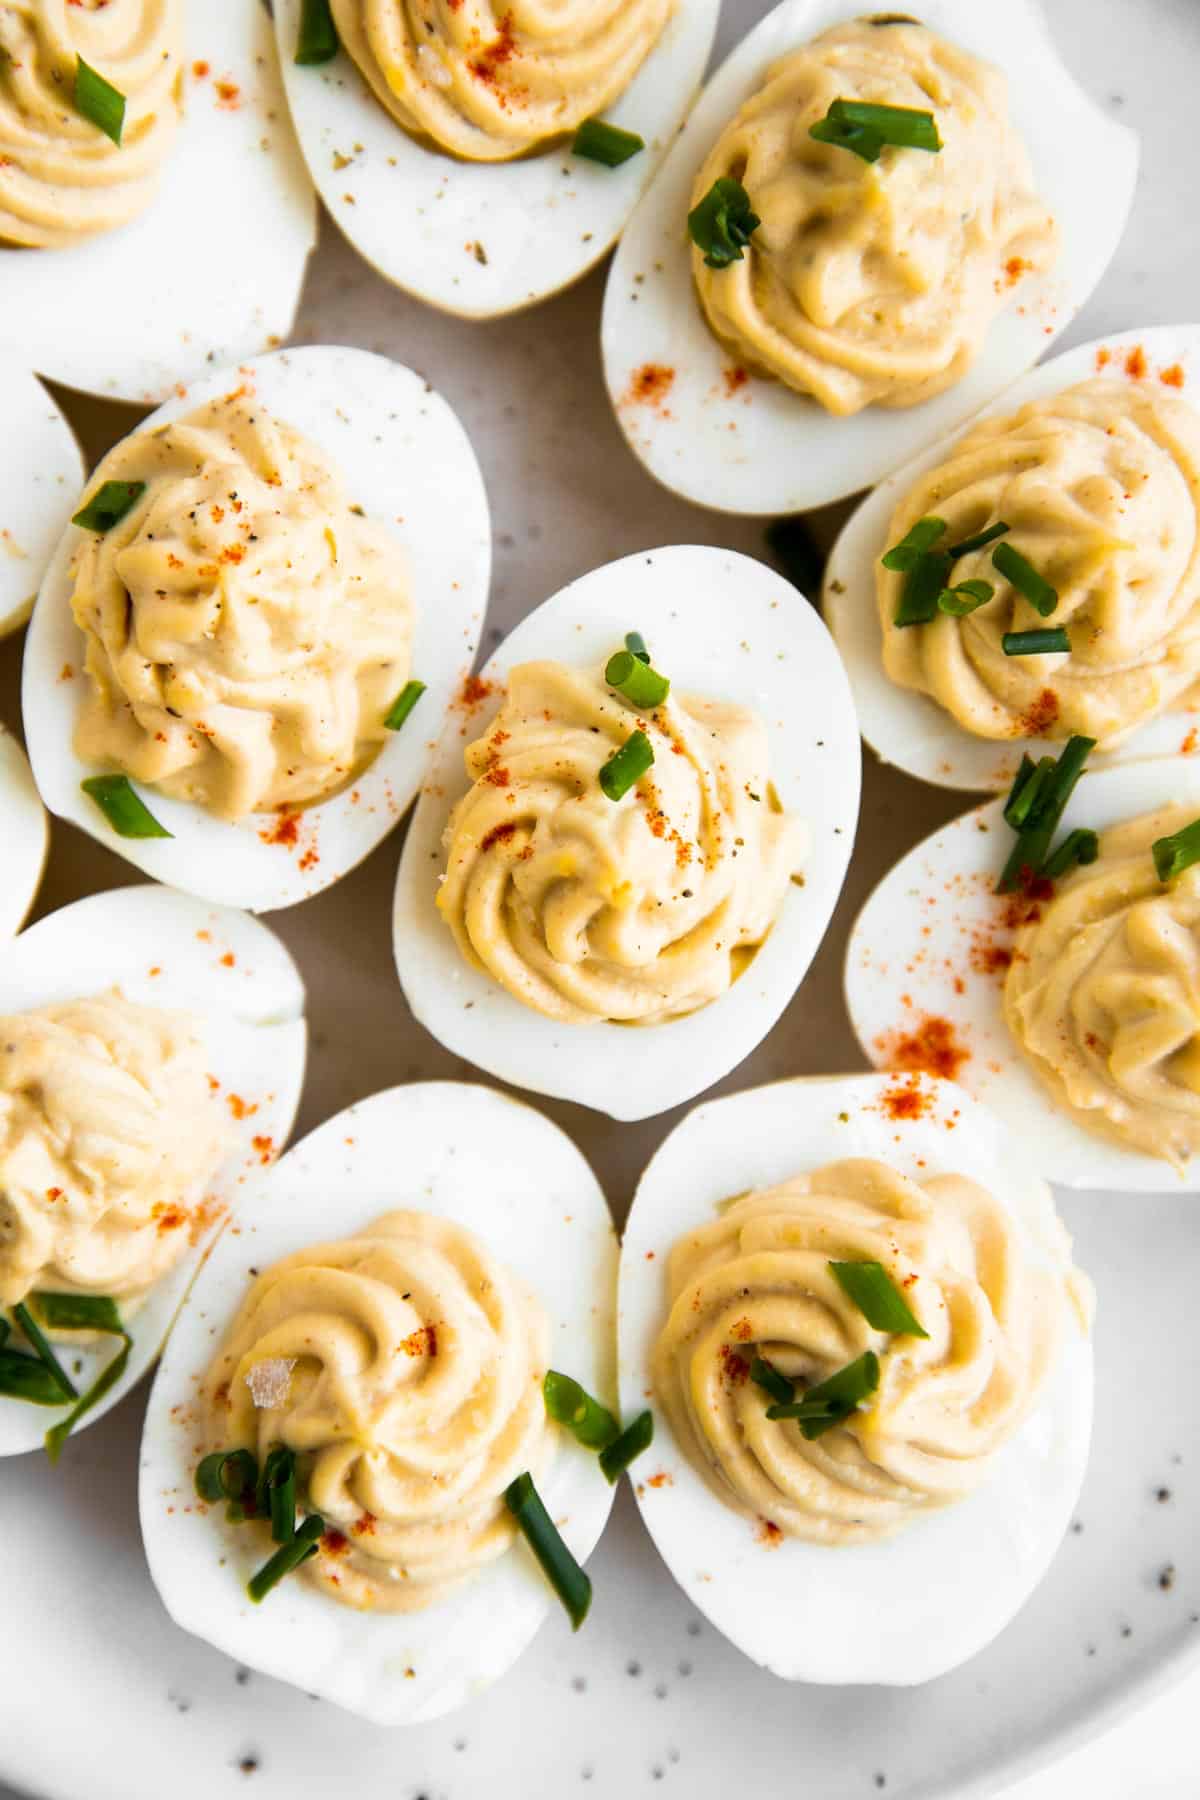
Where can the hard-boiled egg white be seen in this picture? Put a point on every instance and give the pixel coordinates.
(479, 239)
(928, 956)
(498, 1168)
(24, 835)
(231, 973)
(211, 271)
(730, 439)
(41, 472)
(719, 624)
(909, 729)
(909, 1608)
(407, 461)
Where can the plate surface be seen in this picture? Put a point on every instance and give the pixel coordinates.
(646, 1690)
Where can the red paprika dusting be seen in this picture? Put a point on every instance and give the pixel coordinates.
(265, 1146)
(1173, 376)
(649, 386)
(199, 70)
(421, 1342)
(1189, 743)
(365, 1526)
(1014, 268)
(493, 56)
(1135, 363)
(734, 1368)
(932, 1048)
(334, 1543)
(661, 1480)
(499, 834)
(229, 95)
(55, 1193)
(734, 379)
(285, 830)
(769, 1534)
(1103, 358)
(1039, 717)
(168, 1218)
(239, 1107)
(743, 1331)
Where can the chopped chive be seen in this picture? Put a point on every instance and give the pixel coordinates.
(108, 505)
(966, 598)
(722, 222)
(604, 143)
(108, 1378)
(877, 1298)
(1027, 789)
(230, 1475)
(560, 1568)
(843, 134)
(44, 1352)
(766, 1376)
(275, 1493)
(123, 807)
(79, 1312)
(318, 39)
(1079, 846)
(571, 1405)
(904, 127)
(5, 1332)
(978, 541)
(795, 549)
(627, 765)
(1035, 643)
(27, 1378)
(1174, 854)
(922, 585)
(912, 546)
(635, 643)
(1042, 817)
(641, 685)
(99, 101)
(833, 1400)
(289, 1556)
(1020, 572)
(623, 1450)
(403, 704)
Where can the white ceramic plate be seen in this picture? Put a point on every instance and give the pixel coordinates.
(516, 1181)
(24, 836)
(909, 729)
(719, 624)
(41, 473)
(759, 448)
(482, 238)
(407, 461)
(211, 271)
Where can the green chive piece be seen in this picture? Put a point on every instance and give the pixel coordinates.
(560, 1568)
(795, 549)
(1027, 789)
(27, 1378)
(912, 546)
(978, 541)
(721, 224)
(1035, 643)
(604, 143)
(1022, 575)
(877, 1298)
(833, 1400)
(275, 1493)
(318, 39)
(1174, 854)
(966, 598)
(123, 807)
(635, 643)
(403, 704)
(79, 1312)
(627, 765)
(904, 127)
(108, 1378)
(572, 1406)
(108, 505)
(289, 1556)
(843, 134)
(99, 101)
(641, 685)
(1042, 817)
(765, 1375)
(621, 1452)
(44, 1352)
(230, 1475)
(922, 586)
(1079, 846)
(5, 1332)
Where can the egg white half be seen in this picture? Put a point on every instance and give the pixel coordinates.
(211, 271)
(718, 624)
(41, 473)
(407, 461)
(908, 1609)
(24, 836)
(925, 946)
(502, 1171)
(166, 949)
(758, 447)
(909, 729)
(480, 239)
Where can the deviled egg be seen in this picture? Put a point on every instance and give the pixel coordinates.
(1053, 973)
(41, 471)
(651, 828)
(890, 218)
(443, 140)
(383, 1326)
(259, 615)
(854, 1307)
(151, 1060)
(24, 834)
(155, 213)
(1069, 600)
